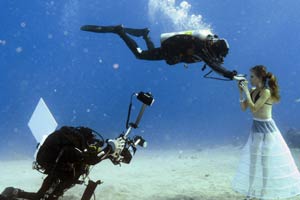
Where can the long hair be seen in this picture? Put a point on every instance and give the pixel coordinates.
(261, 72)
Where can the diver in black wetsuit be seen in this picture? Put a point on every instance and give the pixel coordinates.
(66, 155)
(179, 48)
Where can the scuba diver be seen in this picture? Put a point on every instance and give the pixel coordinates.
(181, 47)
(66, 155)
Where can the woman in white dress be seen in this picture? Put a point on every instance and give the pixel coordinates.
(267, 169)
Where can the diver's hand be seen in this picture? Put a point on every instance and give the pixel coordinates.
(117, 146)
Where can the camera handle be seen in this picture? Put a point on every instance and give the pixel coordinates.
(137, 121)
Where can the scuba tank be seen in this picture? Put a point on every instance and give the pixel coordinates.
(201, 34)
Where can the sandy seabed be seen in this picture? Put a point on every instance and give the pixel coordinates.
(204, 174)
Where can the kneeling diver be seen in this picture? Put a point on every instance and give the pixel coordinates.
(64, 157)
(67, 154)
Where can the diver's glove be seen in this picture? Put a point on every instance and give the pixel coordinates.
(117, 146)
(10, 193)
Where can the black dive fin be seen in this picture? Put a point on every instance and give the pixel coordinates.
(101, 29)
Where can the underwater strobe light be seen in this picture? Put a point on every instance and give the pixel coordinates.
(139, 140)
(145, 98)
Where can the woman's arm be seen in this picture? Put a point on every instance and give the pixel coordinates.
(265, 95)
(243, 101)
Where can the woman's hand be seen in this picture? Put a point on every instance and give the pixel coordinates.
(244, 86)
(239, 86)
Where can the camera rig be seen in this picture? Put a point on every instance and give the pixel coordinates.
(129, 150)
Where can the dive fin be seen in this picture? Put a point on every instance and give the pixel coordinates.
(102, 29)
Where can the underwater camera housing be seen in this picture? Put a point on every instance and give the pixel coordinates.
(130, 148)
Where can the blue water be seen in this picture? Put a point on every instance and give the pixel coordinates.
(44, 54)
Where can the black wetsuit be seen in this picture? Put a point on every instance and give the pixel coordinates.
(64, 157)
(176, 49)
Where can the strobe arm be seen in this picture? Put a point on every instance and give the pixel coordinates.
(147, 100)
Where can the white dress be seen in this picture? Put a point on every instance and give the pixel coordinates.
(267, 169)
